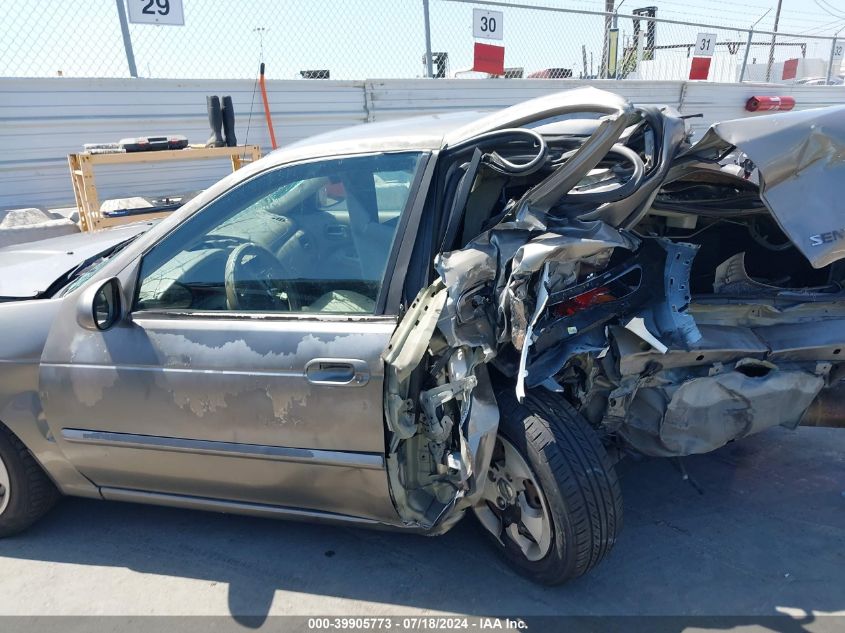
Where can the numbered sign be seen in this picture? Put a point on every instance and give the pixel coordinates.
(156, 12)
(838, 50)
(487, 24)
(705, 45)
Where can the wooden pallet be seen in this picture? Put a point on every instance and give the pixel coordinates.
(85, 188)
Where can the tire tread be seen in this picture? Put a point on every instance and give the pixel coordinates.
(585, 476)
(41, 493)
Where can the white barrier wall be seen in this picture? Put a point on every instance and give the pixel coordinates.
(42, 120)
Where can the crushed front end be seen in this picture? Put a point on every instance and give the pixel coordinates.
(589, 249)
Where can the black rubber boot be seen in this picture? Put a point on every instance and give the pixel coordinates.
(215, 120)
(229, 122)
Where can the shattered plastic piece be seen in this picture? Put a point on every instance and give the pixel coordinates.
(409, 342)
(439, 396)
(638, 327)
(671, 314)
(454, 461)
(732, 278)
(405, 352)
(542, 298)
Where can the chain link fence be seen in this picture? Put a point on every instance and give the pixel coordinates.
(342, 39)
(42, 38)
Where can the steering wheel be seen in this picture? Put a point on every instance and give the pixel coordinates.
(255, 279)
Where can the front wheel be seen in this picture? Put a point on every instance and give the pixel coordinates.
(551, 501)
(25, 491)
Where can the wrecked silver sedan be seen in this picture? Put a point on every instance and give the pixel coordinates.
(405, 322)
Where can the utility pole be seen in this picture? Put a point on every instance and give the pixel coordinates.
(605, 49)
(615, 28)
(429, 68)
(748, 46)
(772, 47)
(584, 60)
(127, 40)
(832, 54)
(616, 15)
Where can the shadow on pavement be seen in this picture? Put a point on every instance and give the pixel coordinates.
(767, 533)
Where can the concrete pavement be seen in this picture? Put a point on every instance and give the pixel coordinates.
(766, 537)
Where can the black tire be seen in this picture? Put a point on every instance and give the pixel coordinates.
(31, 493)
(576, 478)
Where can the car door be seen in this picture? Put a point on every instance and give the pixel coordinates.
(248, 368)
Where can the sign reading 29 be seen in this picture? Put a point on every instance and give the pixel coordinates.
(156, 12)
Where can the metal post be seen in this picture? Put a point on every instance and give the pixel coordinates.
(616, 14)
(830, 61)
(127, 41)
(608, 20)
(640, 51)
(428, 63)
(584, 60)
(745, 57)
(772, 47)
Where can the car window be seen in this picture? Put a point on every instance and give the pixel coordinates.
(82, 273)
(312, 237)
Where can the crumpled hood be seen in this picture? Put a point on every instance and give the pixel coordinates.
(27, 270)
(801, 160)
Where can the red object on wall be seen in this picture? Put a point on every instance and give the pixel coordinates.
(489, 59)
(700, 68)
(766, 104)
(790, 69)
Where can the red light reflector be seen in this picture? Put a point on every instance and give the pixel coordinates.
(489, 59)
(765, 104)
(700, 68)
(790, 69)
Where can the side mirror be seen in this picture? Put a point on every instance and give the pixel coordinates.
(101, 305)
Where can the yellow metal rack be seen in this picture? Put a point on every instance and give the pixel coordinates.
(85, 189)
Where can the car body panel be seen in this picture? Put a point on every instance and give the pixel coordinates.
(199, 394)
(219, 411)
(21, 408)
(801, 159)
(236, 393)
(30, 269)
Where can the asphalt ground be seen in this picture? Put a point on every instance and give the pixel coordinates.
(766, 536)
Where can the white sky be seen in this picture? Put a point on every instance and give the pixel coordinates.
(359, 39)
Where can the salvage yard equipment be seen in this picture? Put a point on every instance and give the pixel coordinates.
(139, 144)
(85, 189)
(153, 143)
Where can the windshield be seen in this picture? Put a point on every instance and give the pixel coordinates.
(87, 269)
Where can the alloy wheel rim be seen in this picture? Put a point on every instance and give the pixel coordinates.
(5, 485)
(512, 505)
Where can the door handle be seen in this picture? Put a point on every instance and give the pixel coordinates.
(339, 372)
(337, 232)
